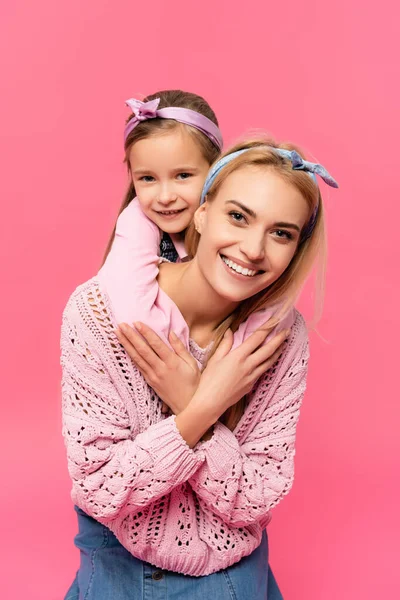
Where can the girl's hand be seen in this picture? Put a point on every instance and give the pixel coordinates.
(173, 374)
(229, 376)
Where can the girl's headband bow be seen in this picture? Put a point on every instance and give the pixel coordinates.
(149, 110)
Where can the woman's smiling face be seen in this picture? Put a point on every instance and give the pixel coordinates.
(249, 232)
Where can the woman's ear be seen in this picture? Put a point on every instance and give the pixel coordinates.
(200, 217)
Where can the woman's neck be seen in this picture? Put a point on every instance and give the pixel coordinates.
(201, 307)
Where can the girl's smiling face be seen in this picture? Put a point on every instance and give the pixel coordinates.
(249, 232)
(168, 172)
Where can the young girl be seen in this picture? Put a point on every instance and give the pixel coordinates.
(170, 141)
(190, 507)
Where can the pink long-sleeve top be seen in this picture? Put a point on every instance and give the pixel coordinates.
(193, 511)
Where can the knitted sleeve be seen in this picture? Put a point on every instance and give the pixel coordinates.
(241, 481)
(115, 469)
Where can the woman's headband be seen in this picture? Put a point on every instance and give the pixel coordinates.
(149, 110)
(298, 164)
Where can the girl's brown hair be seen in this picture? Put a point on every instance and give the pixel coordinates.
(284, 291)
(153, 127)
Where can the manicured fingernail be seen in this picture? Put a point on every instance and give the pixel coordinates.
(123, 327)
(173, 336)
(138, 326)
(287, 332)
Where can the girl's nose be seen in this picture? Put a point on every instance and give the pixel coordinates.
(167, 195)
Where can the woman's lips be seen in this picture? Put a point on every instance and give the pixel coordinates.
(239, 271)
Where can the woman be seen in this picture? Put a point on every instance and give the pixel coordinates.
(190, 493)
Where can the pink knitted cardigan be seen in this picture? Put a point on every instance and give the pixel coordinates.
(194, 511)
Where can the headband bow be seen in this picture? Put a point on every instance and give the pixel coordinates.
(299, 164)
(143, 110)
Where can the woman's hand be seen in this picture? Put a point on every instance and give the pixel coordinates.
(229, 376)
(173, 374)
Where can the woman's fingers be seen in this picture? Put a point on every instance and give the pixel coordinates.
(180, 349)
(154, 341)
(254, 340)
(224, 346)
(268, 350)
(263, 367)
(139, 362)
(139, 346)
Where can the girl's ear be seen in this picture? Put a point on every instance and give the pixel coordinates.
(200, 217)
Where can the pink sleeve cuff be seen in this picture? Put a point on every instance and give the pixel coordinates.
(172, 458)
(221, 450)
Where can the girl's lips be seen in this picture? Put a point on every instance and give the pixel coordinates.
(170, 214)
(236, 275)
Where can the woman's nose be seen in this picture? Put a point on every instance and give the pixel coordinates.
(253, 246)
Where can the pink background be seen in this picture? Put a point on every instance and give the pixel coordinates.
(322, 74)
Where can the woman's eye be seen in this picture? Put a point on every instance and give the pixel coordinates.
(184, 175)
(146, 178)
(281, 233)
(237, 216)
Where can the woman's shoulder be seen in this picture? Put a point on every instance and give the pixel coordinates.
(299, 327)
(298, 340)
(88, 302)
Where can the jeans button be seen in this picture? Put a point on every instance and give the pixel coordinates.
(157, 575)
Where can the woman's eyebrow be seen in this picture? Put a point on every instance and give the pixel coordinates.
(247, 210)
(288, 226)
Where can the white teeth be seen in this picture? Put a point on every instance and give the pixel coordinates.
(238, 268)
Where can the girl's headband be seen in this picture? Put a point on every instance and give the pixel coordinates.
(298, 164)
(148, 110)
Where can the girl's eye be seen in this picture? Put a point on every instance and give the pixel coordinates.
(184, 175)
(146, 178)
(238, 217)
(282, 234)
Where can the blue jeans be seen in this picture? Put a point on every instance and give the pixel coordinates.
(109, 572)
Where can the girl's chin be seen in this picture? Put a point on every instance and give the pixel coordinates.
(174, 227)
(175, 230)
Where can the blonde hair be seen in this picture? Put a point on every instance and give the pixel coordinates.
(153, 127)
(284, 291)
